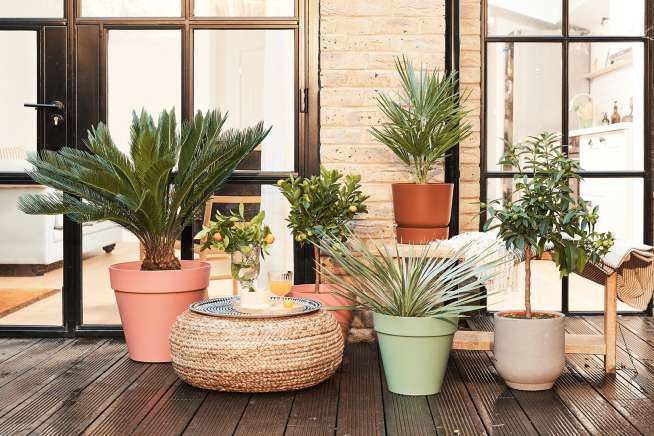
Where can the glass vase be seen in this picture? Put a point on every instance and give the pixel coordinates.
(245, 268)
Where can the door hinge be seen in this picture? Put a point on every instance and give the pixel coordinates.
(304, 100)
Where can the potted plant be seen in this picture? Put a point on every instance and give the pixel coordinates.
(416, 302)
(246, 242)
(153, 192)
(323, 205)
(544, 214)
(425, 121)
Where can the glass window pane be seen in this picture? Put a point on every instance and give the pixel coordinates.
(545, 280)
(607, 17)
(244, 8)
(519, 17)
(523, 94)
(31, 262)
(250, 74)
(131, 8)
(606, 105)
(255, 198)
(143, 71)
(18, 85)
(32, 9)
(620, 204)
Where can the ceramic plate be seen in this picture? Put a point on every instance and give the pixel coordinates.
(228, 307)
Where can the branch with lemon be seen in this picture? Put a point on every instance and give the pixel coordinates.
(323, 205)
(245, 240)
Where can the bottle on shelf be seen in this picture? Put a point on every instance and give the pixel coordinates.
(605, 119)
(615, 116)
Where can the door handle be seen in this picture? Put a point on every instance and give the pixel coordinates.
(52, 105)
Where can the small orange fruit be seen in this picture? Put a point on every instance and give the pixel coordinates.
(353, 209)
(270, 238)
(217, 237)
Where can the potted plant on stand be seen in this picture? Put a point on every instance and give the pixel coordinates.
(416, 303)
(153, 192)
(323, 206)
(544, 215)
(246, 242)
(424, 123)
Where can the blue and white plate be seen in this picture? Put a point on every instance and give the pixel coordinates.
(228, 307)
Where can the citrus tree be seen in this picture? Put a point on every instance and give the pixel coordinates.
(545, 212)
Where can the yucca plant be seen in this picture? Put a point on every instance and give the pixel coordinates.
(155, 190)
(426, 119)
(382, 281)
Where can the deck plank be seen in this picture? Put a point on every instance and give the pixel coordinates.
(360, 405)
(498, 408)
(266, 415)
(128, 410)
(10, 347)
(77, 413)
(314, 410)
(556, 418)
(221, 408)
(60, 391)
(18, 364)
(173, 412)
(34, 375)
(453, 410)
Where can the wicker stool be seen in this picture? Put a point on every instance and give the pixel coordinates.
(255, 355)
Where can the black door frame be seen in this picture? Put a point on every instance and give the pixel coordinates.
(565, 39)
(305, 26)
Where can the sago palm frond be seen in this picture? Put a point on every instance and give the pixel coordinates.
(419, 286)
(154, 190)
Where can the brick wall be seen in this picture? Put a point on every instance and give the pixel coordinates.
(359, 40)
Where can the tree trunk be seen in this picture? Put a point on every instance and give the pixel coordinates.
(316, 257)
(160, 258)
(527, 280)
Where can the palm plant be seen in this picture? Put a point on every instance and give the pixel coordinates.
(427, 119)
(155, 190)
(418, 286)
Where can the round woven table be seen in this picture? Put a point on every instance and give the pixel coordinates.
(255, 355)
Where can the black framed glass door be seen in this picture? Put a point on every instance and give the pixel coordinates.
(33, 117)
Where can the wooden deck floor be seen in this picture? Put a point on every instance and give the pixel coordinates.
(89, 386)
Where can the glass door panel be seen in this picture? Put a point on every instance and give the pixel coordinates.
(31, 259)
(143, 72)
(32, 9)
(251, 75)
(244, 8)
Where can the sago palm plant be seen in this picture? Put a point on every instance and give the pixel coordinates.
(417, 286)
(155, 190)
(425, 121)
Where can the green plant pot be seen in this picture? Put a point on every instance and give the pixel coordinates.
(414, 352)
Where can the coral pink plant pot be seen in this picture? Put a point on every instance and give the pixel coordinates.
(150, 301)
(326, 297)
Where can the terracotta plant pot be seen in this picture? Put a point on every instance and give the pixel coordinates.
(149, 302)
(326, 297)
(422, 212)
(529, 353)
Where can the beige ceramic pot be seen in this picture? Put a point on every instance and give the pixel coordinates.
(529, 353)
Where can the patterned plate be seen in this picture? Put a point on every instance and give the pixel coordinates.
(225, 307)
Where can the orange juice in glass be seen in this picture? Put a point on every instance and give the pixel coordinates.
(280, 282)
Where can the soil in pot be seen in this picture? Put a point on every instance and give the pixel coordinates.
(422, 211)
(529, 353)
(150, 301)
(414, 352)
(326, 297)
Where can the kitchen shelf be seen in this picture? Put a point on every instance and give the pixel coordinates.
(606, 70)
(601, 129)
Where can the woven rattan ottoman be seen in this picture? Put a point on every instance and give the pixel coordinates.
(255, 355)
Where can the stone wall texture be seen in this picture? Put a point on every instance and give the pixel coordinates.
(359, 40)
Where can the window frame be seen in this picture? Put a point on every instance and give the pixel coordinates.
(565, 39)
(305, 25)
